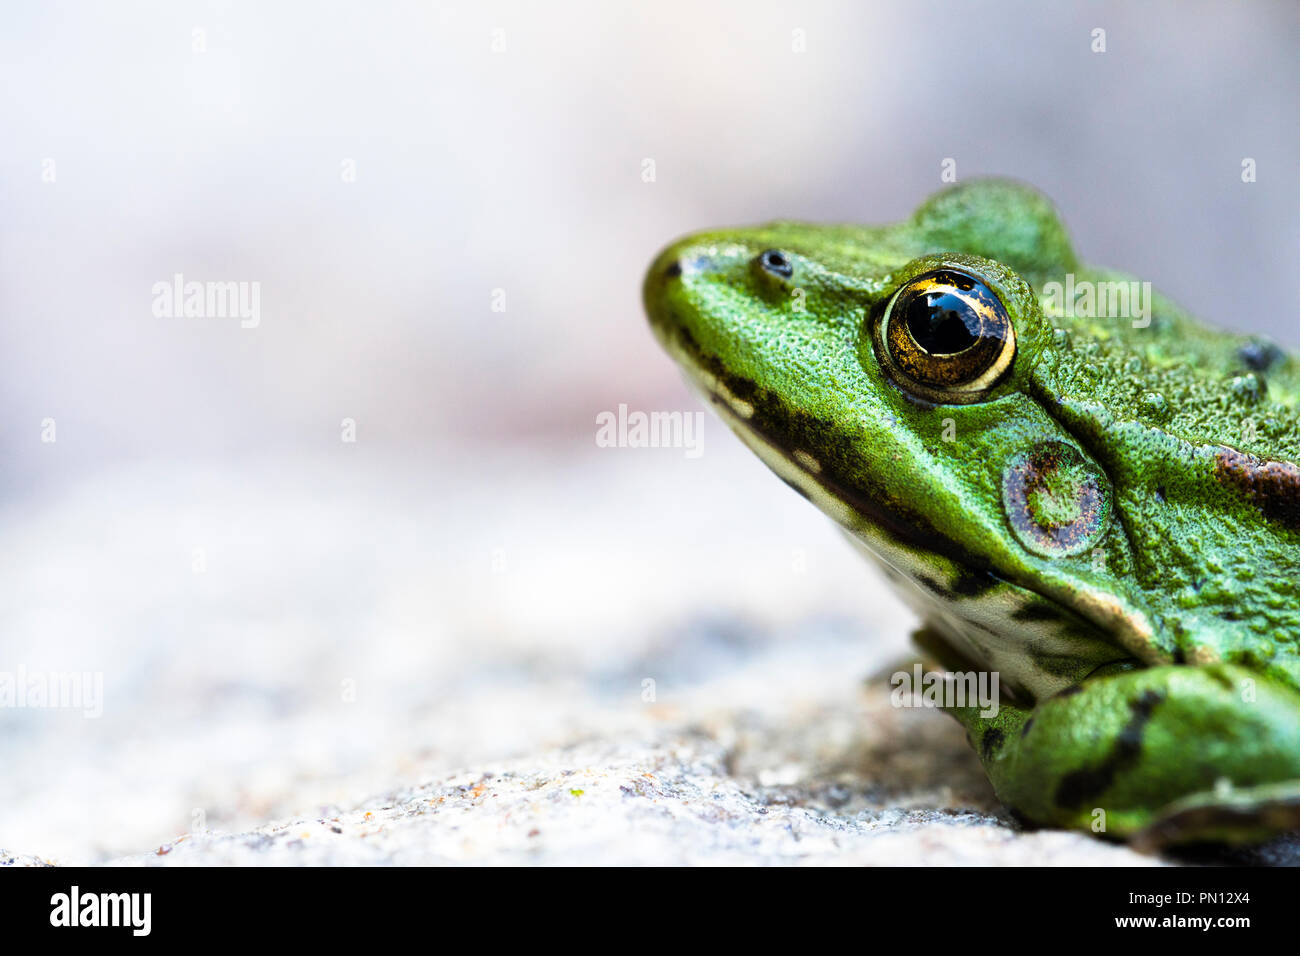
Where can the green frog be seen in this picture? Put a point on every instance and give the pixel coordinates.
(1076, 485)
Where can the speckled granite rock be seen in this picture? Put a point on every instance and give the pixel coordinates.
(667, 801)
(822, 771)
(595, 658)
(21, 859)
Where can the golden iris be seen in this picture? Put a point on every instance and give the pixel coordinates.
(948, 336)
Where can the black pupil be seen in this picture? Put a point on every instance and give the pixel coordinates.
(942, 323)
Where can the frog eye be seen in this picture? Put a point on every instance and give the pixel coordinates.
(948, 336)
(776, 262)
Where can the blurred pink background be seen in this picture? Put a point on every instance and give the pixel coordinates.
(521, 170)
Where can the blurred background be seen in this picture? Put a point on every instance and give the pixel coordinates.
(446, 211)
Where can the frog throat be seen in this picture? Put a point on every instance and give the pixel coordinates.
(905, 543)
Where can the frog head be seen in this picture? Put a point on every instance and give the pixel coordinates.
(1104, 504)
(889, 374)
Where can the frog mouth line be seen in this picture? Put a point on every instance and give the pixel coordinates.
(860, 513)
(764, 421)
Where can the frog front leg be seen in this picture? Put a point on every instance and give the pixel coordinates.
(1172, 754)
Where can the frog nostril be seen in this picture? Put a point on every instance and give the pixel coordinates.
(688, 263)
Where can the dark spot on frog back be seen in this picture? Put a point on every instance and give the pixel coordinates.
(993, 738)
(1260, 355)
(1273, 486)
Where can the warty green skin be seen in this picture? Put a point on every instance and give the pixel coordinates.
(1191, 582)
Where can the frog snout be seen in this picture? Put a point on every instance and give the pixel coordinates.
(682, 258)
(666, 275)
(685, 278)
(667, 267)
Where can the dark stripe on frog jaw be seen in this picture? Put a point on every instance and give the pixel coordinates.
(974, 583)
(1274, 486)
(790, 431)
(967, 584)
(1037, 611)
(1080, 787)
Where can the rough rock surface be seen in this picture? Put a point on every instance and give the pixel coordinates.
(616, 664)
(667, 800)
